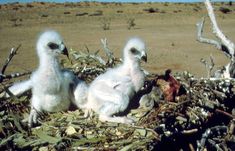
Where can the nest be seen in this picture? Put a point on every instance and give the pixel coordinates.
(200, 119)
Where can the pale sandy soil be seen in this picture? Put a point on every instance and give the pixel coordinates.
(170, 36)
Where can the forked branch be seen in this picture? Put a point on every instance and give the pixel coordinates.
(224, 44)
(200, 26)
(216, 30)
(11, 55)
(208, 65)
(3, 76)
(108, 52)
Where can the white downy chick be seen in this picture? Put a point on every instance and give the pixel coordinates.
(110, 92)
(50, 84)
(53, 89)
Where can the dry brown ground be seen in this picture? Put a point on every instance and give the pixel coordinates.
(170, 34)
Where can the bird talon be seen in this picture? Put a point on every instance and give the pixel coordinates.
(33, 117)
(88, 113)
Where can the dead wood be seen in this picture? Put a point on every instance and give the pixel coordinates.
(223, 43)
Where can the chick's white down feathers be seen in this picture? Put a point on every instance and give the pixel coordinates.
(110, 92)
(53, 89)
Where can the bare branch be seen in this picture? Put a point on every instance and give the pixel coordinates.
(7, 93)
(208, 65)
(200, 26)
(223, 44)
(93, 64)
(11, 55)
(108, 52)
(224, 40)
(13, 52)
(91, 56)
(106, 49)
(217, 44)
(13, 75)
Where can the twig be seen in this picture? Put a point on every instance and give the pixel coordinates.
(209, 66)
(7, 91)
(93, 148)
(219, 94)
(181, 103)
(191, 147)
(108, 52)
(188, 132)
(11, 55)
(213, 143)
(13, 75)
(216, 130)
(225, 113)
(156, 136)
(89, 56)
(13, 52)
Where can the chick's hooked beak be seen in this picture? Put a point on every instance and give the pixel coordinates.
(65, 52)
(144, 57)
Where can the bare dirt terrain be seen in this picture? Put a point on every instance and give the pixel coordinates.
(169, 31)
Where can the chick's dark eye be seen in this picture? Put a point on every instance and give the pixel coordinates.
(53, 46)
(134, 51)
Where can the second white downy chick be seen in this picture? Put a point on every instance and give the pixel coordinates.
(110, 92)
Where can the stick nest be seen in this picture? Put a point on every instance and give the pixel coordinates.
(202, 118)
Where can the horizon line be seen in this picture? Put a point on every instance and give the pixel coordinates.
(110, 1)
